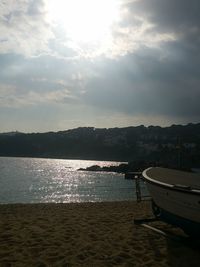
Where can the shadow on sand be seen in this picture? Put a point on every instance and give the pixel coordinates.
(184, 253)
(181, 250)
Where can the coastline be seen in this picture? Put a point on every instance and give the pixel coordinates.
(86, 234)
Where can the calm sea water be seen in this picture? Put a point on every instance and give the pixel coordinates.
(33, 180)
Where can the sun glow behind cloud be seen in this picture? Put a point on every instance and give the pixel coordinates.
(87, 22)
(62, 55)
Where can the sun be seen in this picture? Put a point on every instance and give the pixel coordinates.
(84, 21)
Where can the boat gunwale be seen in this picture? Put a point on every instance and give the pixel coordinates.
(172, 187)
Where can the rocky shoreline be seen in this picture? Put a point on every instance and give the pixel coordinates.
(134, 166)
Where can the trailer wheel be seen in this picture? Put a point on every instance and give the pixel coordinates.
(156, 209)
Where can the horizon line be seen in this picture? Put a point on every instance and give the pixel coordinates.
(95, 128)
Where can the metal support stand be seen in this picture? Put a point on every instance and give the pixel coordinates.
(138, 178)
(143, 223)
(137, 188)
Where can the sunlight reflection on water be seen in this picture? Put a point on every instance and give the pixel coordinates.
(30, 180)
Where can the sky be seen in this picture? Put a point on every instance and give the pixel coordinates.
(109, 63)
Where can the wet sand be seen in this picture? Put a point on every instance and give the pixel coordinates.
(87, 234)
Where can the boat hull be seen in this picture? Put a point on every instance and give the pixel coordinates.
(177, 207)
(189, 227)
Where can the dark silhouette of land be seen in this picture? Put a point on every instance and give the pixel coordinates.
(174, 146)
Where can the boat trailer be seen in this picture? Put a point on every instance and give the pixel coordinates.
(144, 222)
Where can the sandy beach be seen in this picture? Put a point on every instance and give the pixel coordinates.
(87, 234)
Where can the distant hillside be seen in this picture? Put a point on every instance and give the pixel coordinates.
(174, 145)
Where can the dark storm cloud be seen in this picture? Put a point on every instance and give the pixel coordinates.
(180, 17)
(145, 83)
(169, 14)
(163, 80)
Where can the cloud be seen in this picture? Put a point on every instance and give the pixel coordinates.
(23, 28)
(27, 29)
(29, 82)
(168, 15)
(148, 71)
(159, 72)
(146, 84)
(12, 97)
(179, 18)
(136, 30)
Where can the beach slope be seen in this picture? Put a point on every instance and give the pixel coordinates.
(87, 234)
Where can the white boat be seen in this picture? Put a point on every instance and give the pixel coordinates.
(175, 197)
